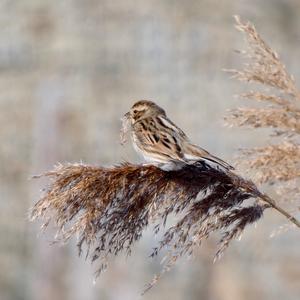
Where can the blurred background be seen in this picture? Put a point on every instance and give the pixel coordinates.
(68, 71)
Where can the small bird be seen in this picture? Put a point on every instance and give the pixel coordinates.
(160, 141)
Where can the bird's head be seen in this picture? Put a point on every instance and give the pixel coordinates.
(140, 110)
(143, 109)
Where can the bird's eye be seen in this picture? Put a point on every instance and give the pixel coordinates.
(135, 111)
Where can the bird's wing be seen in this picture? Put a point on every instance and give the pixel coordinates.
(156, 139)
(171, 127)
(181, 139)
(195, 152)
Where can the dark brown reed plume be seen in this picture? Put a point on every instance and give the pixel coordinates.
(108, 208)
(278, 162)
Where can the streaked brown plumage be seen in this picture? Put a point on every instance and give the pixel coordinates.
(160, 141)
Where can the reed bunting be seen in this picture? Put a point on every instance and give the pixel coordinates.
(160, 141)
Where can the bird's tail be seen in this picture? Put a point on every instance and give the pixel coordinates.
(194, 152)
(219, 161)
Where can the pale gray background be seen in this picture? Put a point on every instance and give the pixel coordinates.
(68, 71)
